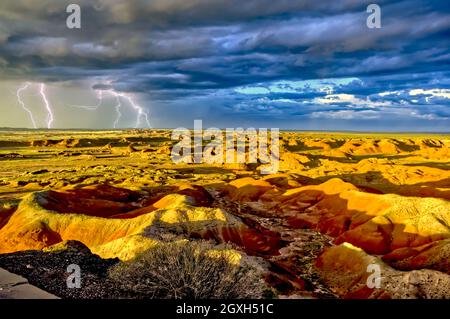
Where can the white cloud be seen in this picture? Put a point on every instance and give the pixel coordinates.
(445, 93)
(385, 113)
(349, 98)
(389, 93)
(318, 85)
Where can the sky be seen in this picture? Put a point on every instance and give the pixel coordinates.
(288, 64)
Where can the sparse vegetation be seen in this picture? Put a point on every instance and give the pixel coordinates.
(187, 270)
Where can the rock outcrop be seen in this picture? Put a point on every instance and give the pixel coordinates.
(352, 273)
(114, 229)
(410, 233)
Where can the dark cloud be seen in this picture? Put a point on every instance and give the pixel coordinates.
(180, 51)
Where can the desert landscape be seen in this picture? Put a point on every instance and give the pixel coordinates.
(107, 200)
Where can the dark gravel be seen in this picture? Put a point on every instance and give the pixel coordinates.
(48, 271)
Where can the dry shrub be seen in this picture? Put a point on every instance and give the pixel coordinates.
(187, 271)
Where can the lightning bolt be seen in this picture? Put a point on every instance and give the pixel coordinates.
(50, 117)
(19, 99)
(47, 105)
(119, 114)
(141, 114)
(138, 108)
(99, 94)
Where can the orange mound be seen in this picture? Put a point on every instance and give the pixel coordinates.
(379, 224)
(75, 203)
(46, 218)
(317, 144)
(347, 270)
(200, 196)
(247, 189)
(367, 147)
(292, 161)
(105, 192)
(435, 255)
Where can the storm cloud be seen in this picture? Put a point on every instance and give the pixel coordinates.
(286, 63)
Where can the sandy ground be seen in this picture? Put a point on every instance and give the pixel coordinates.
(52, 190)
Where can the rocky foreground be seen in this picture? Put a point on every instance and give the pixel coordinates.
(338, 207)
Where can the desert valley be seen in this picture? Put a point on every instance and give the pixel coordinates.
(340, 203)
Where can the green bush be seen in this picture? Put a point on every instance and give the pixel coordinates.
(187, 270)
